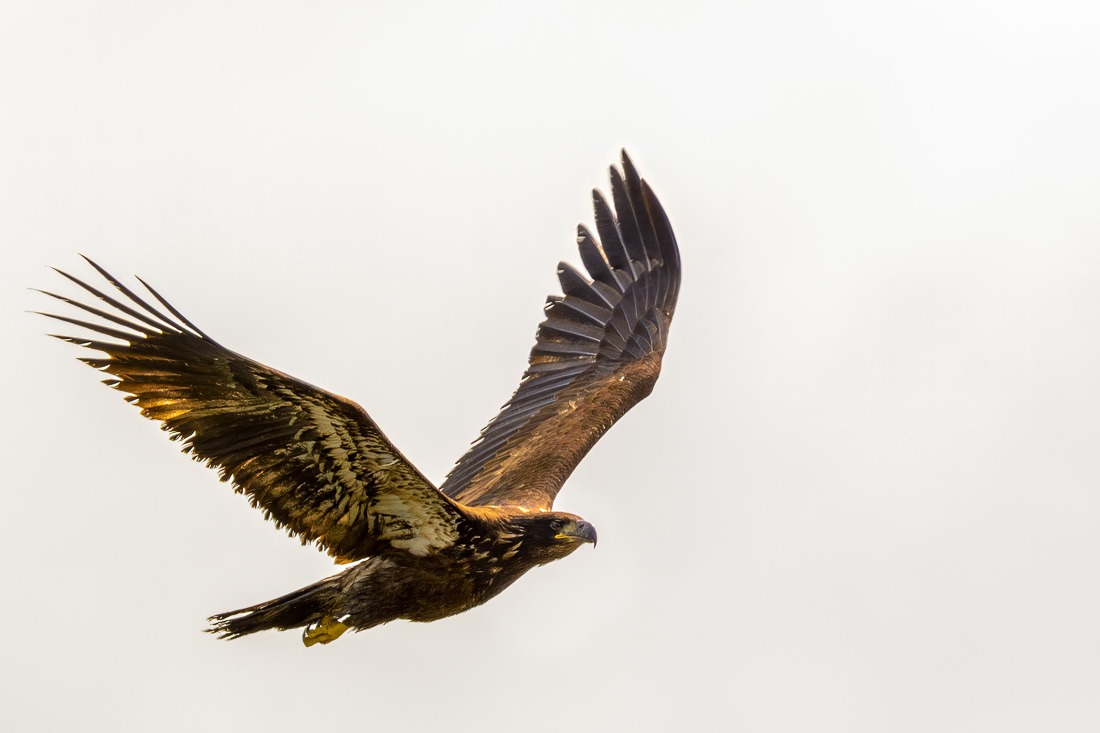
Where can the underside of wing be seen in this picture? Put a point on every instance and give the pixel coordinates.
(597, 354)
(315, 462)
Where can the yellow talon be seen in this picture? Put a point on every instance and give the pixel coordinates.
(327, 629)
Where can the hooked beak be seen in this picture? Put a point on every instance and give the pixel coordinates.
(585, 532)
(582, 531)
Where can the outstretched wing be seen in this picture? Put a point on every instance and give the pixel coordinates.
(597, 354)
(315, 462)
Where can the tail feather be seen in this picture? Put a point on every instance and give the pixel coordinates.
(300, 608)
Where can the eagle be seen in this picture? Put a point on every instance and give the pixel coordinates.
(322, 469)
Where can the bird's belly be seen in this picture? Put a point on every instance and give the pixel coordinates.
(419, 589)
(437, 598)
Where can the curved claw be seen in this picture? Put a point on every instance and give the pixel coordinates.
(324, 631)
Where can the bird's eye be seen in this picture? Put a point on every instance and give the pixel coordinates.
(556, 525)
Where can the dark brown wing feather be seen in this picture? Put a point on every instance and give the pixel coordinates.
(313, 461)
(597, 354)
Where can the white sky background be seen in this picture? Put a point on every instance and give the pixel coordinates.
(864, 496)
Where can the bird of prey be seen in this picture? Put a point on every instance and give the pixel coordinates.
(319, 466)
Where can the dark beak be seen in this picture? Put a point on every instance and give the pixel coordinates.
(586, 532)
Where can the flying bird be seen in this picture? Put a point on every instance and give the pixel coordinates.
(319, 466)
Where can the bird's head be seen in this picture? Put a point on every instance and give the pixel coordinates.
(553, 535)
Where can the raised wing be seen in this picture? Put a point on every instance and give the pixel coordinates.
(315, 462)
(597, 354)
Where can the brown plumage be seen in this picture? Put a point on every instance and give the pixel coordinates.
(319, 466)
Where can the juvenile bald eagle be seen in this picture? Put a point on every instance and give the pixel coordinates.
(319, 466)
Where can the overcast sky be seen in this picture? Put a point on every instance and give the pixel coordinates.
(864, 496)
